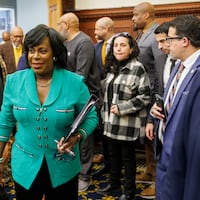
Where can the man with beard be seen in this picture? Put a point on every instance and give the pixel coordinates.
(150, 56)
(104, 32)
(81, 60)
(12, 50)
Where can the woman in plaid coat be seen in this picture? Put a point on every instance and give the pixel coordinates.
(124, 111)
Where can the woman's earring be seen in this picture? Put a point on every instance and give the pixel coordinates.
(54, 59)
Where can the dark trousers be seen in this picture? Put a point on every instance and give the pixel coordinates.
(150, 160)
(105, 151)
(86, 153)
(42, 185)
(122, 153)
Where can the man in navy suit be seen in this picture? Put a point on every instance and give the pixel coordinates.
(172, 180)
(104, 32)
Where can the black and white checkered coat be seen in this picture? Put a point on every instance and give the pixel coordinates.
(131, 93)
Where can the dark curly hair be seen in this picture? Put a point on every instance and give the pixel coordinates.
(111, 63)
(36, 35)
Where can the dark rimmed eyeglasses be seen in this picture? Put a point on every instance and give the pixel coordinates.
(169, 39)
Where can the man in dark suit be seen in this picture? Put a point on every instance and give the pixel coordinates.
(182, 177)
(161, 33)
(153, 60)
(168, 63)
(171, 179)
(104, 32)
(12, 50)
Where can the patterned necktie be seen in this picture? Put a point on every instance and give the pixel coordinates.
(173, 89)
(170, 99)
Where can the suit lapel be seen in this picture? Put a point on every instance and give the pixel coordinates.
(30, 87)
(160, 70)
(184, 84)
(56, 86)
(98, 52)
(146, 34)
(157, 144)
(31, 90)
(173, 73)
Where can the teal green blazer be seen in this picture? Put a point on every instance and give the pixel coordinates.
(39, 125)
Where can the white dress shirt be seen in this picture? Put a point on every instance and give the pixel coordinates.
(188, 64)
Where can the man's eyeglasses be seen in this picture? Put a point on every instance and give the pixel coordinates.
(59, 23)
(18, 36)
(169, 39)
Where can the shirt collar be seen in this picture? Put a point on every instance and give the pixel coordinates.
(191, 59)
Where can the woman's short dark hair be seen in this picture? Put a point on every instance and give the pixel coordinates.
(36, 35)
(110, 59)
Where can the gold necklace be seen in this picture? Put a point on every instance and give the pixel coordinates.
(45, 85)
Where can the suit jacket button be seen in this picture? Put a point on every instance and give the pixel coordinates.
(39, 137)
(46, 137)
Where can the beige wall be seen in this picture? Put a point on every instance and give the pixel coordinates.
(95, 4)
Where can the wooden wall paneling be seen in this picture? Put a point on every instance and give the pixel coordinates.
(122, 16)
(68, 5)
(55, 10)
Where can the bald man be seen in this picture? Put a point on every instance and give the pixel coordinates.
(81, 60)
(12, 50)
(152, 58)
(104, 29)
(5, 36)
(104, 32)
(81, 52)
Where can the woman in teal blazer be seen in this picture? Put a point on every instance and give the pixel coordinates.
(44, 100)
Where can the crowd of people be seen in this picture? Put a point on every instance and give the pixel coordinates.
(147, 89)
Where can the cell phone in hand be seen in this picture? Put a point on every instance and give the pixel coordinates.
(160, 103)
